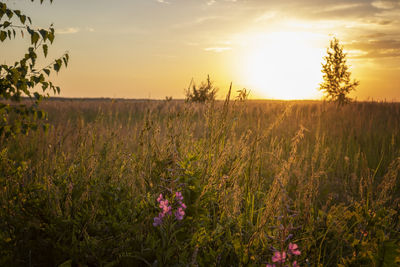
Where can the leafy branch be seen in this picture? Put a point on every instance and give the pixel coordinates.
(22, 78)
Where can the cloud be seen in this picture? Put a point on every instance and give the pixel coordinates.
(73, 30)
(211, 2)
(198, 21)
(385, 4)
(341, 7)
(266, 16)
(162, 2)
(217, 49)
(373, 35)
(70, 30)
(386, 48)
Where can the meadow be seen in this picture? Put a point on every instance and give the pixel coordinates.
(226, 183)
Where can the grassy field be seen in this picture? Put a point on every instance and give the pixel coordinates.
(245, 182)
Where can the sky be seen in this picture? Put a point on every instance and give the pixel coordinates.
(154, 48)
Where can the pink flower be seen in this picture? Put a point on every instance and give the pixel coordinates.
(295, 264)
(163, 203)
(164, 207)
(270, 265)
(179, 214)
(279, 257)
(157, 221)
(167, 210)
(294, 249)
(178, 196)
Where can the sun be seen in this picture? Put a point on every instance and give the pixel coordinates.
(283, 65)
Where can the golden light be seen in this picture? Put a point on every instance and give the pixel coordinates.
(283, 65)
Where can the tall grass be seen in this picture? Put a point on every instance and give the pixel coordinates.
(84, 193)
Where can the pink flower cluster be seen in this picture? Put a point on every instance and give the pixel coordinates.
(166, 208)
(180, 212)
(281, 257)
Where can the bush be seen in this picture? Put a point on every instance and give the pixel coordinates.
(205, 92)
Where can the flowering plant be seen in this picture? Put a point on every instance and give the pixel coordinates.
(167, 208)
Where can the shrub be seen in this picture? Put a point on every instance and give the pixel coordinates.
(205, 92)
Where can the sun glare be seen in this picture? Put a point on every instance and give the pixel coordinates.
(283, 65)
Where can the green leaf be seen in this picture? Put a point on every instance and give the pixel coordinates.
(34, 38)
(43, 33)
(37, 95)
(45, 50)
(45, 85)
(9, 13)
(57, 65)
(51, 36)
(6, 24)
(47, 71)
(3, 35)
(22, 19)
(65, 61)
(30, 31)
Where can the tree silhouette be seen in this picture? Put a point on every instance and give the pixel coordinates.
(337, 83)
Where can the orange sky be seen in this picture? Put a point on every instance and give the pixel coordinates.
(152, 49)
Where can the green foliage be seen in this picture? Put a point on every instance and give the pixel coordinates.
(337, 83)
(24, 77)
(205, 92)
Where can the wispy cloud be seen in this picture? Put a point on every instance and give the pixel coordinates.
(211, 2)
(342, 7)
(266, 16)
(70, 30)
(386, 48)
(217, 49)
(198, 21)
(162, 1)
(73, 30)
(385, 4)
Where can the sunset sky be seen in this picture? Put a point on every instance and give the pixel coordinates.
(152, 49)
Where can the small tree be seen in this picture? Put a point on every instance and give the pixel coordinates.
(337, 84)
(23, 78)
(205, 92)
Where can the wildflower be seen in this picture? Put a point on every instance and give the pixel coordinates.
(166, 208)
(179, 214)
(279, 257)
(178, 196)
(295, 264)
(163, 203)
(157, 221)
(294, 249)
(270, 265)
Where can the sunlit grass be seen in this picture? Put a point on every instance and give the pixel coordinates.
(86, 192)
